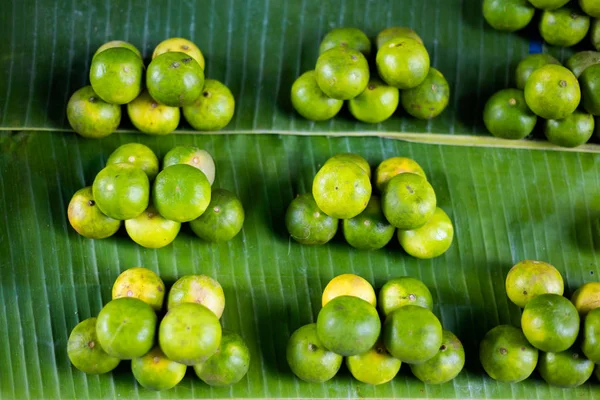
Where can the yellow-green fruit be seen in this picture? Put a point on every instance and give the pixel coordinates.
(349, 37)
(565, 26)
(566, 369)
(199, 289)
(310, 101)
(374, 367)
(180, 45)
(595, 34)
(152, 230)
(408, 201)
(529, 64)
(590, 7)
(529, 278)
(548, 4)
(391, 167)
(428, 99)
(151, 117)
(228, 365)
(506, 115)
(396, 32)
(121, 191)
(376, 103)
(403, 291)
(342, 73)
(213, 109)
(403, 63)
(590, 344)
(90, 116)
(193, 156)
(574, 130)
(85, 352)
(140, 283)
(552, 92)
(352, 157)
(154, 371)
(508, 15)
(430, 240)
(116, 75)
(586, 298)
(87, 219)
(138, 155)
(117, 43)
(445, 365)
(349, 285)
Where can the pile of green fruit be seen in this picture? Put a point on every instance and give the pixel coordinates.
(342, 190)
(181, 192)
(550, 336)
(548, 90)
(342, 73)
(562, 22)
(174, 78)
(189, 333)
(349, 326)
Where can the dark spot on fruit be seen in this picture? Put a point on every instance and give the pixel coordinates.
(92, 99)
(575, 356)
(371, 86)
(417, 106)
(512, 101)
(563, 83)
(343, 44)
(523, 348)
(150, 215)
(91, 344)
(160, 289)
(185, 47)
(354, 58)
(431, 108)
(336, 188)
(397, 45)
(175, 65)
(412, 297)
(410, 189)
(91, 203)
(503, 351)
(156, 360)
(312, 347)
(206, 94)
(574, 16)
(525, 292)
(380, 350)
(591, 272)
(186, 60)
(443, 347)
(187, 328)
(154, 104)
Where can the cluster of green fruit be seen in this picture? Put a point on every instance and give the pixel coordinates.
(548, 90)
(174, 78)
(349, 326)
(550, 328)
(189, 334)
(342, 73)
(181, 192)
(561, 24)
(342, 190)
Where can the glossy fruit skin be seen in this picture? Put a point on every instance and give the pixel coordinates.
(552, 92)
(376, 103)
(595, 34)
(351, 157)
(566, 369)
(431, 240)
(222, 220)
(151, 117)
(529, 278)
(228, 365)
(391, 167)
(396, 32)
(342, 73)
(310, 101)
(189, 334)
(348, 326)
(199, 289)
(506, 115)
(90, 116)
(85, 352)
(572, 131)
(590, 7)
(126, 328)
(578, 62)
(565, 26)
(212, 110)
(193, 156)
(412, 334)
(506, 355)
(308, 359)
(548, 4)
(445, 365)
(590, 345)
(369, 230)
(408, 201)
(180, 45)
(175, 79)
(87, 219)
(403, 291)
(374, 367)
(116, 75)
(140, 283)
(352, 38)
(550, 322)
(307, 224)
(138, 155)
(430, 98)
(121, 191)
(508, 15)
(117, 43)
(154, 371)
(529, 64)
(586, 298)
(151, 230)
(590, 89)
(349, 285)
(403, 63)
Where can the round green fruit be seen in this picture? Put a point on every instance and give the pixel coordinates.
(590, 89)
(578, 62)
(506, 115)
(429, 99)
(591, 336)
(403, 63)
(374, 367)
(528, 279)
(121, 191)
(307, 224)
(85, 351)
(151, 117)
(564, 27)
(90, 116)
(548, 4)
(590, 7)
(228, 365)
(117, 43)
(403, 291)
(342, 73)
(376, 103)
(391, 167)
(213, 110)
(87, 219)
(193, 156)
(431, 240)
(445, 365)
(199, 289)
(552, 92)
(310, 101)
(566, 369)
(351, 157)
(408, 201)
(572, 131)
(369, 230)
(138, 155)
(396, 32)
(508, 15)
(116, 75)
(222, 220)
(352, 38)
(152, 230)
(529, 64)
(140, 283)
(175, 79)
(154, 371)
(180, 45)
(595, 34)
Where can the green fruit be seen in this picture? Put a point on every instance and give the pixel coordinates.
(152, 230)
(591, 336)
(175, 79)
(308, 359)
(429, 99)
(590, 7)
(222, 220)
(349, 285)
(572, 131)
(352, 38)
(90, 116)
(506, 355)
(180, 45)
(213, 110)
(531, 63)
(391, 167)
(151, 117)
(552, 92)
(189, 334)
(310, 101)
(375, 104)
(116, 75)
(126, 328)
(117, 43)
(548, 4)
(193, 156)
(431, 240)
(590, 89)
(412, 334)
(395, 32)
(508, 15)
(341, 189)
(374, 367)
(595, 34)
(228, 365)
(445, 365)
(348, 326)
(565, 27)
(403, 291)
(408, 201)
(121, 191)
(199, 289)
(528, 279)
(580, 61)
(369, 230)
(155, 371)
(87, 219)
(140, 283)
(342, 73)
(506, 115)
(352, 157)
(307, 224)
(85, 351)
(403, 62)
(566, 369)
(181, 193)
(138, 155)
(550, 322)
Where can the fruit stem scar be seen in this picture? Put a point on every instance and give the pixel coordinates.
(312, 347)
(92, 99)
(186, 60)
(412, 297)
(91, 344)
(371, 86)
(512, 101)
(156, 360)
(185, 47)
(91, 203)
(129, 293)
(563, 83)
(503, 351)
(443, 347)
(175, 65)
(154, 104)
(217, 209)
(206, 94)
(317, 214)
(410, 189)
(354, 58)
